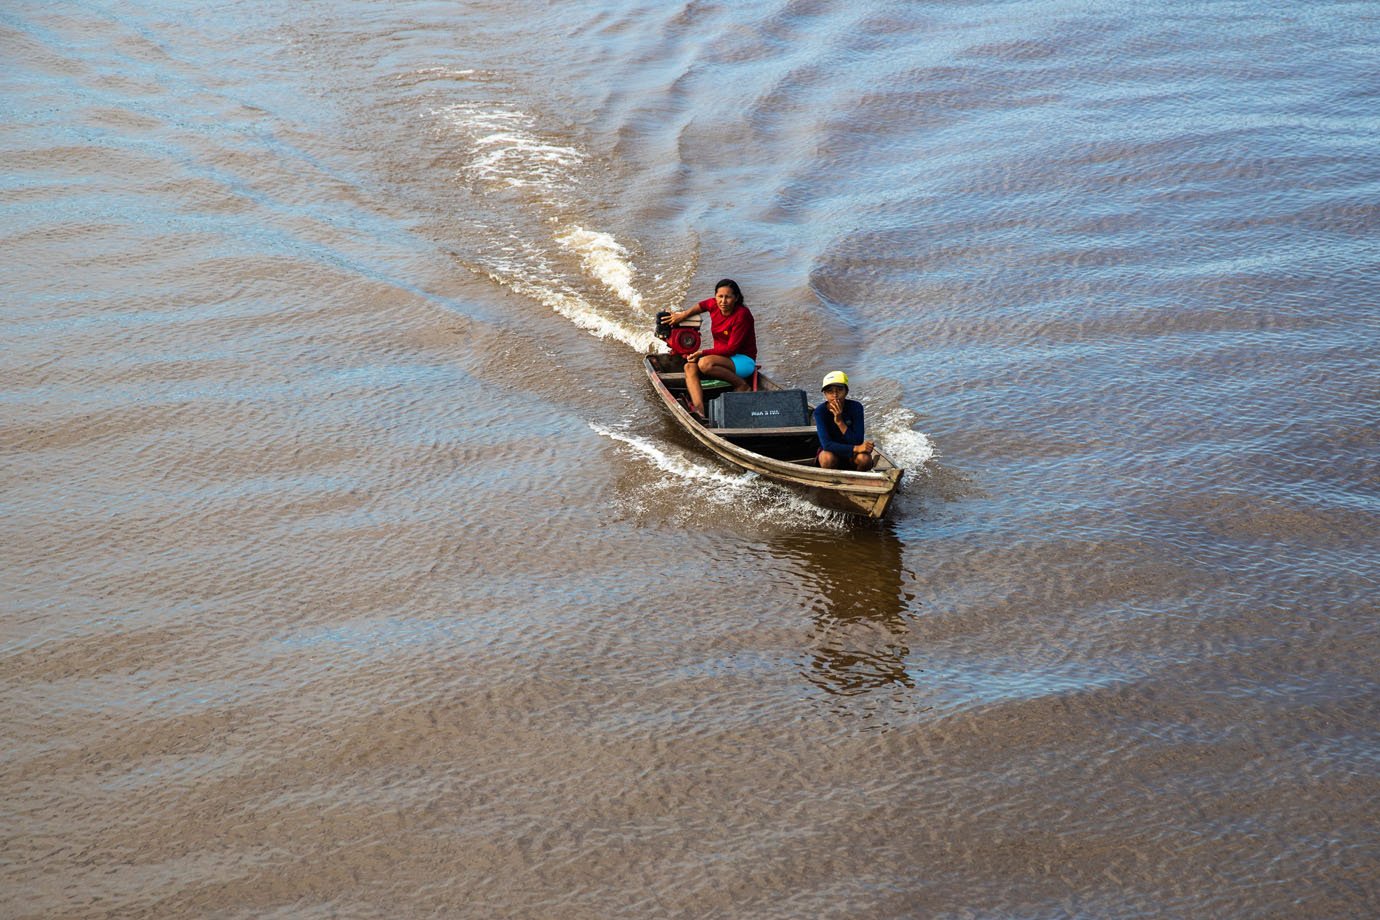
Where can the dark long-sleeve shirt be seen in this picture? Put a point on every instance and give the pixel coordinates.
(840, 443)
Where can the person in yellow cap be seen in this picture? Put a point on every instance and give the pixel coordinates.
(839, 423)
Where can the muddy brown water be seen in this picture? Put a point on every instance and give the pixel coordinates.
(349, 569)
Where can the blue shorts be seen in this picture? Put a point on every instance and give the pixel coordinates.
(743, 366)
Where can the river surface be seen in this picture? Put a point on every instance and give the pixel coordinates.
(349, 568)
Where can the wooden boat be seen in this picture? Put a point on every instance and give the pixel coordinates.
(785, 455)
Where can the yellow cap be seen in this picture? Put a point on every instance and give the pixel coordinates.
(835, 377)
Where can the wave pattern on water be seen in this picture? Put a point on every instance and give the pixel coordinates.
(339, 581)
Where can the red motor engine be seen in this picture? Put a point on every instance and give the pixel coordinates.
(682, 338)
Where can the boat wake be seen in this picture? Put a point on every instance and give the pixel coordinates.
(909, 449)
(530, 188)
(717, 491)
(605, 259)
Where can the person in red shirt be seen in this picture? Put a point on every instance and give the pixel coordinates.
(733, 356)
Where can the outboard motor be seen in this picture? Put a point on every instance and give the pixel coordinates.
(683, 338)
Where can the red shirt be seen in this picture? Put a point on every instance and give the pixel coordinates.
(733, 335)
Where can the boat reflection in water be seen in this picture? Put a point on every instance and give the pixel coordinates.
(858, 643)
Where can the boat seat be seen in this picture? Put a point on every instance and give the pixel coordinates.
(788, 431)
(706, 383)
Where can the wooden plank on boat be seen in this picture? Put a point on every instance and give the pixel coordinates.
(784, 431)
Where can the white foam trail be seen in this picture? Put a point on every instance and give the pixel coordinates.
(430, 75)
(910, 449)
(443, 72)
(525, 271)
(678, 466)
(605, 259)
(508, 151)
(578, 310)
(720, 492)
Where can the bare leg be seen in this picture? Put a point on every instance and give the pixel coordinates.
(720, 368)
(860, 462)
(692, 384)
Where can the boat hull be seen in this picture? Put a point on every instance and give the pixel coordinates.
(784, 455)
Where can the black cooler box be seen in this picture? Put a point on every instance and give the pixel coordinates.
(761, 409)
